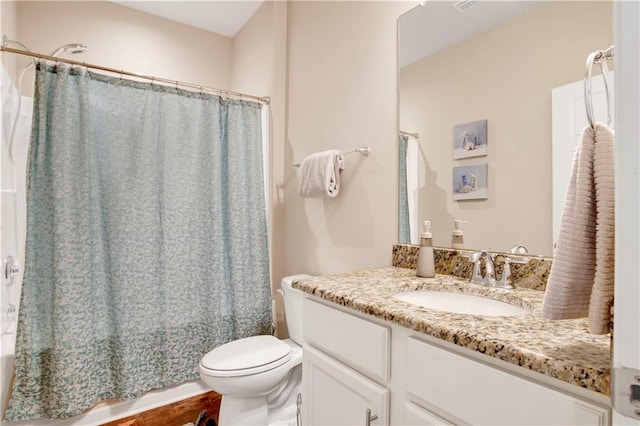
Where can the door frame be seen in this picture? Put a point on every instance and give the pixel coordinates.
(626, 330)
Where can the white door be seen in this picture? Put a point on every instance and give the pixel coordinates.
(334, 394)
(569, 118)
(626, 327)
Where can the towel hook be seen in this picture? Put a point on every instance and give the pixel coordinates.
(599, 57)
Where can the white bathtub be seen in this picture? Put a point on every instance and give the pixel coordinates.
(6, 365)
(103, 412)
(107, 412)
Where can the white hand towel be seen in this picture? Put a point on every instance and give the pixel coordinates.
(319, 174)
(581, 279)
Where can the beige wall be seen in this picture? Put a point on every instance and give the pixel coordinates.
(342, 94)
(258, 66)
(9, 27)
(330, 69)
(124, 38)
(504, 75)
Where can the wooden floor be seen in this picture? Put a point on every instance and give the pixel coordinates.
(176, 414)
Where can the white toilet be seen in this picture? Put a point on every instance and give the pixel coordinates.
(260, 377)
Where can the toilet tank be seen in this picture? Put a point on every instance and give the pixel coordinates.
(293, 306)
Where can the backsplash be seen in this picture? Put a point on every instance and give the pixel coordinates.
(533, 274)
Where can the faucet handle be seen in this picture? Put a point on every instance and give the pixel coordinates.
(489, 269)
(474, 257)
(476, 277)
(505, 281)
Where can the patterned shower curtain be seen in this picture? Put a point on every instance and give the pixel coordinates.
(146, 239)
(404, 231)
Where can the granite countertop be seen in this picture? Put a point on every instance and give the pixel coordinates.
(564, 350)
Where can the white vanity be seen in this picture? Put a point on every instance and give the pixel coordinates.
(372, 359)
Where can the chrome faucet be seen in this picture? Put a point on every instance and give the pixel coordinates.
(489, 278)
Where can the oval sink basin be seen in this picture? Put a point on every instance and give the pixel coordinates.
(460, 303)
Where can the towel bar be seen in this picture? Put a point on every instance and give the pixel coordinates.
(599, 57)
(363, 150)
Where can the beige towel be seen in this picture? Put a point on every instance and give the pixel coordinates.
(319, 174)
(603, 286)
(581, 279)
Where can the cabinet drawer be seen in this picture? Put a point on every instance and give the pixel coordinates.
(417, 416)
(479, 394)
(361, 344)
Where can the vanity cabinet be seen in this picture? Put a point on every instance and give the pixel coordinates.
(354, 363)
(345, 364)
(477, 393)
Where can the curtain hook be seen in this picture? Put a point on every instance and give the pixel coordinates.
(121, 72)
(176, 84)
(153, 78)
(200, 89)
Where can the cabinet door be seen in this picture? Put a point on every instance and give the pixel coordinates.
(334, 394)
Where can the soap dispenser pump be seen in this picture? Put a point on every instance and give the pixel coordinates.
(426, 267)
(457, 236)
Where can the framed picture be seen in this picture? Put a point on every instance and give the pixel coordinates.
(470, 140)
(470, 182)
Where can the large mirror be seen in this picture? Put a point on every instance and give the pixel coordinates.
(475, 101)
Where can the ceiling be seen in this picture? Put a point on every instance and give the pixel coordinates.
(436, 25)
(422, 31)
(221, 17)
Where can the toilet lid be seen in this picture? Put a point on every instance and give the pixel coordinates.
(250, 355)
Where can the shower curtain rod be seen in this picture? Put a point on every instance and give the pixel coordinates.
(413, 135)
(224, 93)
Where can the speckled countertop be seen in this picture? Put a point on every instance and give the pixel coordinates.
(564, 350)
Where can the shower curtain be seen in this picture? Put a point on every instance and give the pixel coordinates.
(146, 239)
(404, 231)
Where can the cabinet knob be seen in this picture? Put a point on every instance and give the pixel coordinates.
(370, 418)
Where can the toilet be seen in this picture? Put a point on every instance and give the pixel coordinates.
(260, 377)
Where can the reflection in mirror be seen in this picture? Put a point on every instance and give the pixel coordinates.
(499, 62)
(408, 181)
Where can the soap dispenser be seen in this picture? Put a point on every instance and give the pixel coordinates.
(426, 267)
(457, 237)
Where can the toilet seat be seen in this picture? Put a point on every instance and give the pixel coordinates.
(244, 357)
